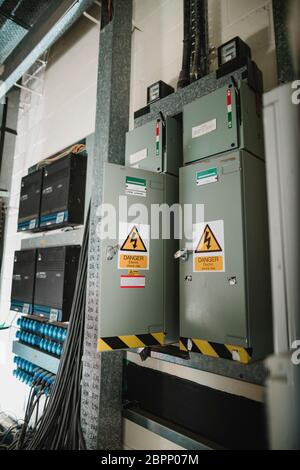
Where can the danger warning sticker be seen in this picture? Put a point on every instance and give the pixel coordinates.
(209, 251)
(134, 243)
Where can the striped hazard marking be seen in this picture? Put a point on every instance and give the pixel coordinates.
(224, 351)
(117, 343)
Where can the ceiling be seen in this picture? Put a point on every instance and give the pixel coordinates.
(28, 28)
(17, 17)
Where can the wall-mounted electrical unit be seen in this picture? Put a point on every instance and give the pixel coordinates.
(139, 276)
(30, 201)
(156, 146)
(225, 301)
(56, 272)
(23, 282)
(63, 193)
(232, 55)
(227, 119)
(157, 91)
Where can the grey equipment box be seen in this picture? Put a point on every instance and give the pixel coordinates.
(227, 119)
(156, 146)
(139, 276)
(225, 306)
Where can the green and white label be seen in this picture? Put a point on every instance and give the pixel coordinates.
(136, 187)
(207, 176)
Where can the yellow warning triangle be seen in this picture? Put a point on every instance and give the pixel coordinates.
(134, 242)
(208, 242)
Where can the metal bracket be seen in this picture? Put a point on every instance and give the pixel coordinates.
(183, 255)
(111, 252)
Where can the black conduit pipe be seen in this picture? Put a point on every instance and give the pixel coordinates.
(200, 62)
(184, 77)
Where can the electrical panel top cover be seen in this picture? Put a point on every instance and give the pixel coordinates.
(156, 146)
(229, 118)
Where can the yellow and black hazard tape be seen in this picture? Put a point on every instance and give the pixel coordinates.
(224, 351)
(117, 343)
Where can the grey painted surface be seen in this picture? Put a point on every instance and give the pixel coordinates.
(246, 131)
(102, 373)
(211, 308)
(221, 137)
(127, 312)
(45, 361)
(55, 238)
(141, 144)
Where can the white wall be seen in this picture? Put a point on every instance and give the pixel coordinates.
(63, 115)
(157, 48)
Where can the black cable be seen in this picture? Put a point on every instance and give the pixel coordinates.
(200, 60)
(184, 77)
(60, 427)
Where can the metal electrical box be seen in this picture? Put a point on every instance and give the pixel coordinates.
(63, 193)
(156, 146)
(30, 201)
(22, 290)
(139, 275)
(56, 273)
(225, 302)
(227, 119)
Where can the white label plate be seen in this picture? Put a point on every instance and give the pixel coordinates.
(204, 129)
(138, 156)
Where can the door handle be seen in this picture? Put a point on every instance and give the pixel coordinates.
(111, 252)
(183, 255)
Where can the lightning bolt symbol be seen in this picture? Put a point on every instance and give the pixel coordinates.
(134, 240)
(207, 239)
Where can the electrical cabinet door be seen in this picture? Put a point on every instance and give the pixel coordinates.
(224, 282)
(227, 119)
(134, 310)
(144, 147)
(211, 309)
(210, 125)
(156, 146)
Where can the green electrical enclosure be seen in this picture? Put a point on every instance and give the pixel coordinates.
(225, 303)
(227, 119)
(139, 275)
(156, 146)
